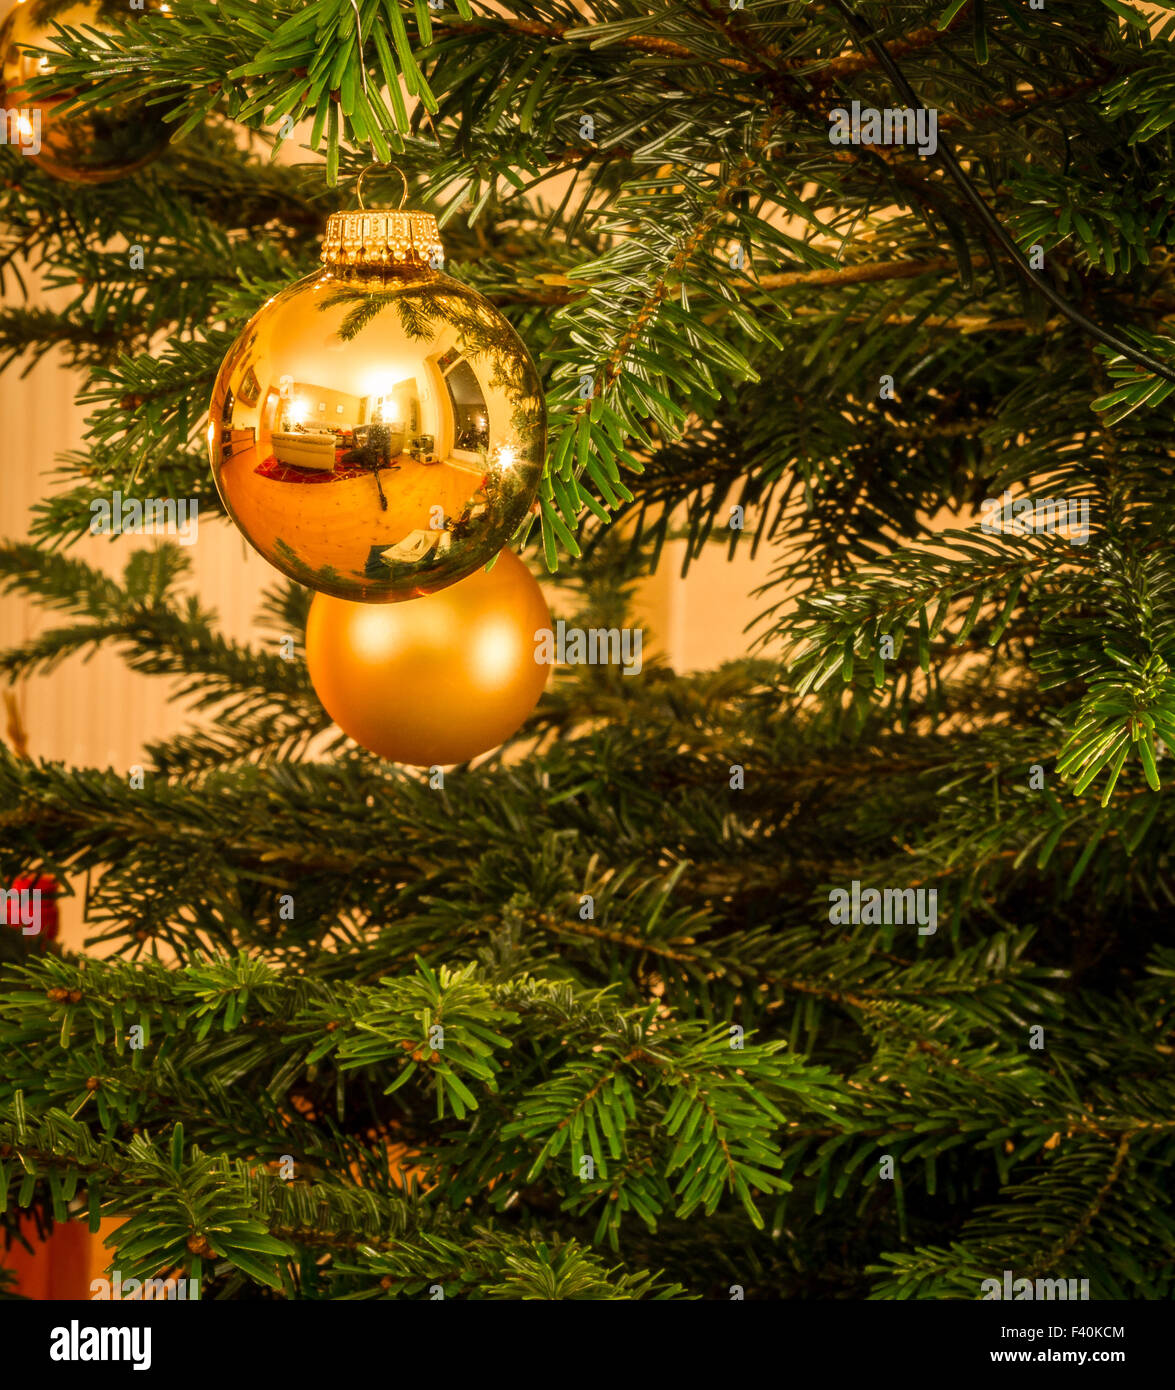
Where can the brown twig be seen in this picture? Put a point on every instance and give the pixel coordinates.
(846, 65)
(1060, 1251)
(608, 373)
(860, 274)
(17, 733)
(1016, 106)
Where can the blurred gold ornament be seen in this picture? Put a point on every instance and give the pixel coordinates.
(378, 429)
(437, 681)
(94, 146)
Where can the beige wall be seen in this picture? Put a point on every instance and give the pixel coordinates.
(96, 712)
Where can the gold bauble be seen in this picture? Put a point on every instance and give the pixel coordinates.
(378, 429)
(436, 681)
(94, 146)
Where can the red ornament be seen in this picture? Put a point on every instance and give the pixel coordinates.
(30, 906)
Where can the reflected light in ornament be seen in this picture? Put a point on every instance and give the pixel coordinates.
(371, 636)
(507, 456)
(495, 654)
(383, 385)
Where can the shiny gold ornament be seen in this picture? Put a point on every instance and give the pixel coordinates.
(378, 429)
(94, 146)
(437, 681)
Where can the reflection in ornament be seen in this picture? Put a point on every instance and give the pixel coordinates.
(94, 146)
(396, 431)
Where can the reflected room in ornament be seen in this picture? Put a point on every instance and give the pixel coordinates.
(377, 431)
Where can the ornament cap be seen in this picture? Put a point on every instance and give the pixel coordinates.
(382, 239)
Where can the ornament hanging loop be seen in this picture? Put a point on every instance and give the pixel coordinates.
(365, 172)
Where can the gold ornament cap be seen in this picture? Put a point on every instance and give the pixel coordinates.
(383, 239)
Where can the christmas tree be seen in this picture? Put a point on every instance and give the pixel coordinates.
(837, 971)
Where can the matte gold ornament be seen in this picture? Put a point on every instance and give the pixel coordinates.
(378, 429)
(94, 146)
(437, 681)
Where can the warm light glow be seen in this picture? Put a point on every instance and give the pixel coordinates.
(211, 432)
(507, 456)
(372, 636)
(298, 412)
(24, 125)
(382, 385)
(495, 654)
